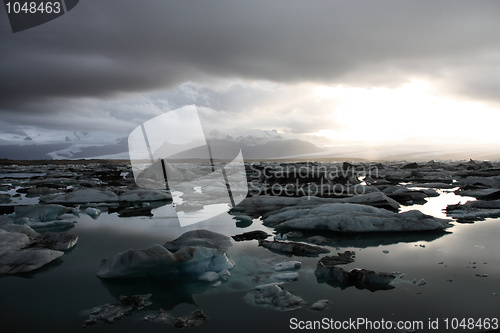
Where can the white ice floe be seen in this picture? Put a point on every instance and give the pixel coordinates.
(93, 212)
(291, 276)
(353, 218)
(287, 265)
(319, 305)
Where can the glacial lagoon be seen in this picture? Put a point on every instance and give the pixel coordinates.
(439, 274)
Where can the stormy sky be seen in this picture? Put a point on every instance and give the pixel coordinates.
(338, 71)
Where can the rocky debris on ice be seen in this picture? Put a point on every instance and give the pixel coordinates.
(287, 266)
(353, 218)
(319, 305)
(250, 235)
(193, 254)
(278, 298)
(293, 248)
(23, 250)
(109, 313)
(264, 205)
(194, 319)
(340, 259)
(360, 278)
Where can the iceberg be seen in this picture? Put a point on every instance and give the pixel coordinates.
(40, 213)
(17, 262)
(346, 217)
(293, 248)
(192, 254)
(275, 296)
(81, 196)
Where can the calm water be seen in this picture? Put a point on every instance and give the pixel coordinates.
(55, 298)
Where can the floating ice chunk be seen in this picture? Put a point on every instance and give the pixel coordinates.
(292, 276)
(59, 225)
(287, 265)
(280, 237)
(421, 282)
(277, 297)
(5, 198)
(208, 276)
(11, 241)
(60, 241)
(318, 240)
(264, 204)
(109, 313)
(330, 273)
(40, 213)
(83, 195)
(193, 253)
(319, 305)
(224, 274)
(93, 212)
(298, 249)
(76, 211)
(256, 234)
(132, 263)
(354, 218)
(144, 195)
(16, 262)
(261, 286)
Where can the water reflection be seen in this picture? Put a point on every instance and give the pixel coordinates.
(166, 294)
(366, 240)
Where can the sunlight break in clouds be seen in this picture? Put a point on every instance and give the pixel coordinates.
(413, 111)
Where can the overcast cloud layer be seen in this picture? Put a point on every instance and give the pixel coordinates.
(110, 65)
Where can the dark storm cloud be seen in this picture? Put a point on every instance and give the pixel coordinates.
(103, 48)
